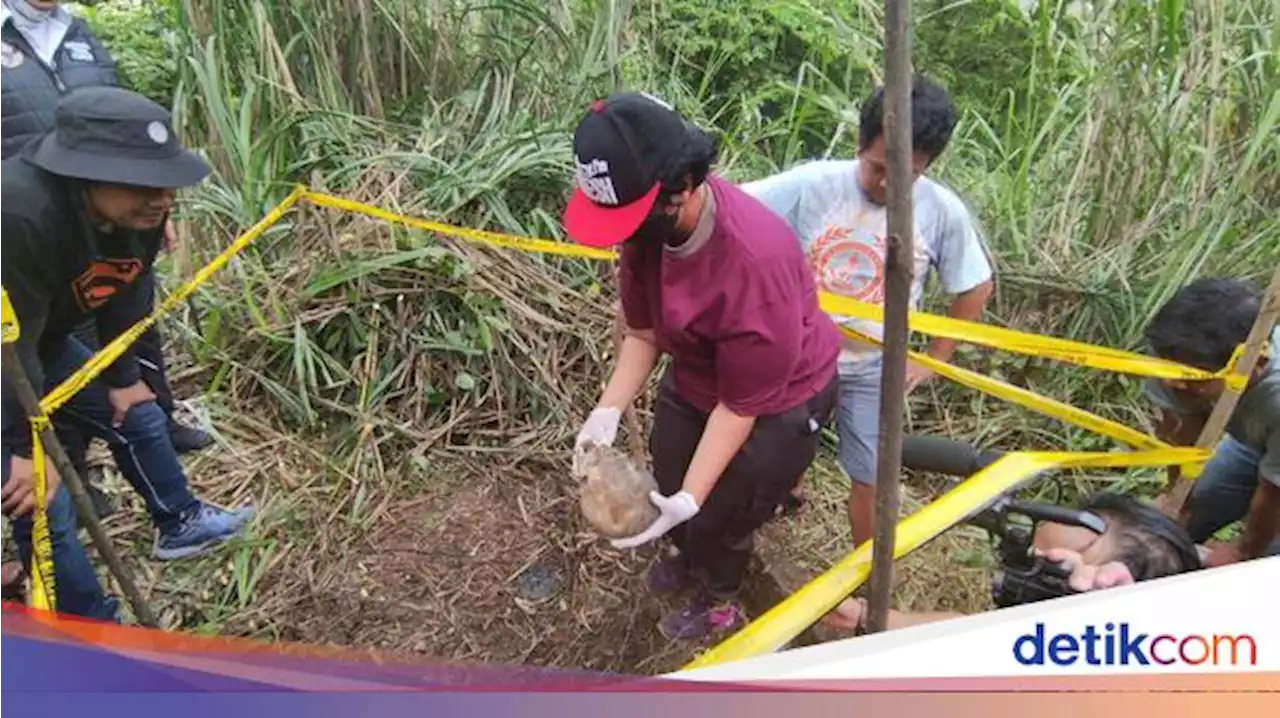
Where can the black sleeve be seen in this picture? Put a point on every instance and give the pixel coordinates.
(28, 280)
(128, 307)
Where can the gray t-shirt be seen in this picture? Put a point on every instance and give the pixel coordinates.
(1256, 419)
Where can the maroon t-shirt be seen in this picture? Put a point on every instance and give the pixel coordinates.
(736, 308)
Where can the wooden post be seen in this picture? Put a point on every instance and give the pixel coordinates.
(898, 276)
(1217, 422)
(17, 378)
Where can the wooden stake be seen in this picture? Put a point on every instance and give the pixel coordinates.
(1214, 427)
(17, 378)
(898, 276)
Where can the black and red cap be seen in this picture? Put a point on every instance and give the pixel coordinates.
(620, 149)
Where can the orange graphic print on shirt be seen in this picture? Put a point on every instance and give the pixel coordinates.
(849, 261)
(102, 280)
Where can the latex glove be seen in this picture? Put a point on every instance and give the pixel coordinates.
(600, 429)
(675, 511)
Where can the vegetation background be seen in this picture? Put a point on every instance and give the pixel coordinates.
(401, 404)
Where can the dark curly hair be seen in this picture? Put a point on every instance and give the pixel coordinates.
(933, 117)
(1149, 543)
(1204, 322)
(689, 166)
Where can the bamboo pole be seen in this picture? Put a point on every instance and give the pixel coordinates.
(17, 378)
(1216, 424)
(898, 275)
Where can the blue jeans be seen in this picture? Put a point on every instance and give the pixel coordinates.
(1221, 495)
(76, 588)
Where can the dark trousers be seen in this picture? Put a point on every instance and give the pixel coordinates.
(140, 446)
(716, 544)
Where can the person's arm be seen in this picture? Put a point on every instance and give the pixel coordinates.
(636, 359)
(639, 352)
(1263, 523)
(27, 278)
(723, 437)
(967, 305)
(966, 272)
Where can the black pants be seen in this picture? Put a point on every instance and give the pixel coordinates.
(716, 544)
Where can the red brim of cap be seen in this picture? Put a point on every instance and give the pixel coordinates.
(594, 225)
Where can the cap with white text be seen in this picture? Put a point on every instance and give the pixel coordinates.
(620, 148)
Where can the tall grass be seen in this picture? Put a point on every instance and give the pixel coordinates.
(1138, 151)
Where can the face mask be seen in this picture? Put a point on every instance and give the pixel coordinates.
(30, 13)
(660, 228)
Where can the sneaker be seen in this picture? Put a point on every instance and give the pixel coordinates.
(667, 574)
(703, 617)
(202, 528)
(187, 439)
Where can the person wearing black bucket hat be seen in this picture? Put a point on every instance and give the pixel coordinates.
(713, 278)
(49, 51)
(83, 212)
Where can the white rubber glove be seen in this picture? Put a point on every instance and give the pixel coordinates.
(675, 511)
(600, 428)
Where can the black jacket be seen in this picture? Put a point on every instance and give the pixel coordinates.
(31, 89)
(60, 270)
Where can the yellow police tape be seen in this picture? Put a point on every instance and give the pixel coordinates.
(1065, 350)
(43, 583)
(9, 329)
(801, 609)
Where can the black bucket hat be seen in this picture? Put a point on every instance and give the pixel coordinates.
(109, 134)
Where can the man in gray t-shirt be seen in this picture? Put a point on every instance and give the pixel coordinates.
(1201, 326)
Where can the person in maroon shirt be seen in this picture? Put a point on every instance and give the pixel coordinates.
(713, 278)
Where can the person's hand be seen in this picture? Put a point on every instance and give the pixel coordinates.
(600, 429)
(1223, 554)
(1086, 576)
(916, 375)
(125, 398)
(675, 510)
(170, 235)
(19, 494)
(847, 616)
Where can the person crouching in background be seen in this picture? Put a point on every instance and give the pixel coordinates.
(712, 278)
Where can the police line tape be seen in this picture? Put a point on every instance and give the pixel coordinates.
(806, 606)
(971, 332)
(1064, 350)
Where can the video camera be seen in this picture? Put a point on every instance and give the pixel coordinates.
(1023, 576)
